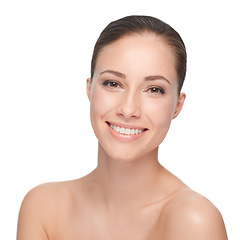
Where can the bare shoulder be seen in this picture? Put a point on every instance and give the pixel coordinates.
(189, 215)
(40, 206)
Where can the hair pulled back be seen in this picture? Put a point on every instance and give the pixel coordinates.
(137, 24)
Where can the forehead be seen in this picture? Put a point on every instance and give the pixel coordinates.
(138, 54)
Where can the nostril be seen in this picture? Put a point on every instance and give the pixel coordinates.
(129, 108)
(127, 115)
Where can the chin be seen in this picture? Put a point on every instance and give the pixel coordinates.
(127, 154)
(121, 156)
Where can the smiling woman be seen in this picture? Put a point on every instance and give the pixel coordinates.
(138, 69)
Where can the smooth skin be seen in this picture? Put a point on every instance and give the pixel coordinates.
(130, 195)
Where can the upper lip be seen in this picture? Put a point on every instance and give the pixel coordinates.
(126, 125)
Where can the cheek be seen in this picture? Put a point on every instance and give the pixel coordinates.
(100, 104)
(161, 113)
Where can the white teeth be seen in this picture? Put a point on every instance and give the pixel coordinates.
(126, 131)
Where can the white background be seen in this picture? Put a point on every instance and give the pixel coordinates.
(45, 131)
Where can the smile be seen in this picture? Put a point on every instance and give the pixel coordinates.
(126, 131)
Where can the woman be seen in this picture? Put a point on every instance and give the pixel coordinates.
(138, 69)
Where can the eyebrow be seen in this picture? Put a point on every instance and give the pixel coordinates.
(148, 78)
(156, 77)
(117, 74)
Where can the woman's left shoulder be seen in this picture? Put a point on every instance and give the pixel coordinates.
(189, 215)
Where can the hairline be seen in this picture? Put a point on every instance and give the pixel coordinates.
(139, 33)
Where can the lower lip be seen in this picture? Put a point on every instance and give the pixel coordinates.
(123, 137)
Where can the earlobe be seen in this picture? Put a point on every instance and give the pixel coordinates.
(180, 104)
(88, 85)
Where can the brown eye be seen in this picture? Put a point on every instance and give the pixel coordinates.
(156, 90)
(111, 84)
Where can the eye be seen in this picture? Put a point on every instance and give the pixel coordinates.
(111, 84)
(156, 90)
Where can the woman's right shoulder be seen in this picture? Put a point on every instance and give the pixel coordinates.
(35, 212)
(53, 190)
(42, 194)
(40, 207)
(49, 195)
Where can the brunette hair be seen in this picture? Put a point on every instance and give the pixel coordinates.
(138, 24)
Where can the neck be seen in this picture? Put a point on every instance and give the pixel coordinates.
(119, 184)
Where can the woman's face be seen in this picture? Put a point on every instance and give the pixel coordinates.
(134, 96)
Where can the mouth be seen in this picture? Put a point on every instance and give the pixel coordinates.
(126, 130)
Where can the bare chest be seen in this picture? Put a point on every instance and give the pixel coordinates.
(141, 225)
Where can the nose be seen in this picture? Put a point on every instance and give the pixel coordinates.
(129, 106)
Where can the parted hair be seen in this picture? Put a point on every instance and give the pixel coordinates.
(138, 24)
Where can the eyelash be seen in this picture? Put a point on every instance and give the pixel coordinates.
(159, 90)
(108, 82)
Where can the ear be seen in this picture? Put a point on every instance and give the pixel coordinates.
(88, 85)
(180, 104)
